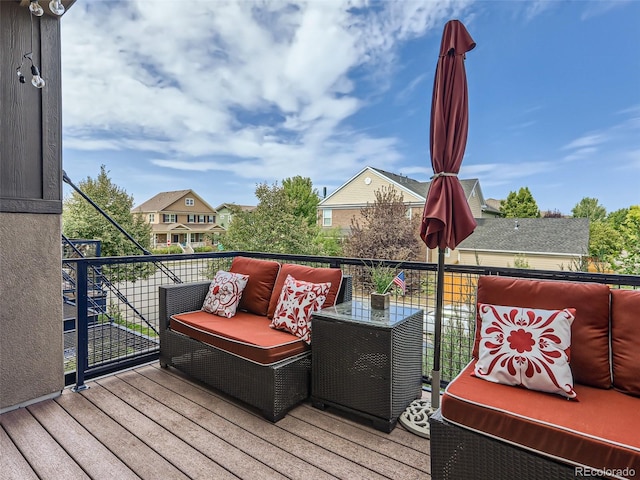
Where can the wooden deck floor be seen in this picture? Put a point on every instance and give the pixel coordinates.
(155, 424)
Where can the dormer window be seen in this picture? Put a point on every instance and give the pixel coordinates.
(189, 202)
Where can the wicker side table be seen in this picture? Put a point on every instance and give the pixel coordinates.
(367, 362)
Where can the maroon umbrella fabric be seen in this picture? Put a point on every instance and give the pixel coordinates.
(447, 219)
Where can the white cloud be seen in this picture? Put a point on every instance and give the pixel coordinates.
(590, 140)
(594, 9)
(234, 86)
(536, 7)
(495, 174)
(580, 154)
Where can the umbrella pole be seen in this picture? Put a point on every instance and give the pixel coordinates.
(435, 373)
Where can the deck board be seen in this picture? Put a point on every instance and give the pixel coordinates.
(43, 453)
(91, 455)
(155, 423)
(13, 465)
(144, 461)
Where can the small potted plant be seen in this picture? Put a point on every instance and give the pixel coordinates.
(382, 280)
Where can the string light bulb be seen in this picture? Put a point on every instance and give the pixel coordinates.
(37, 81)
(56, 7)
(35, 8)
(20, 75)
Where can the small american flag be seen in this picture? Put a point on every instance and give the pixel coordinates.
(400, 282)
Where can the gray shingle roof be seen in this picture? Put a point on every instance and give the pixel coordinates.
(422, 188)
(540, 235)
(419, 188)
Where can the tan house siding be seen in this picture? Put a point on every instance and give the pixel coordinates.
(359, 192)
(535, 261)
(180, 206)
(475, 205)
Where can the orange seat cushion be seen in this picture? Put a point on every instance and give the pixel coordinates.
(625, 328)
(589, 355)
(600, 430)
(262, 277)
(307, 274)
(245, 334)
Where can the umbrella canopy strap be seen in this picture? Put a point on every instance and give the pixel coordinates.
(444, 174)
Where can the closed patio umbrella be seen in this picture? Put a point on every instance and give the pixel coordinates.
(447, 218)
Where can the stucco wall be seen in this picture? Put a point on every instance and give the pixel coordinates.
(31, 342)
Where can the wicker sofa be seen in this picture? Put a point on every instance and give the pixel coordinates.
(488, 430)
(242, 356)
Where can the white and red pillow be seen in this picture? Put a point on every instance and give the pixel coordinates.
(527, 347)
(298, 300)
(224, 293)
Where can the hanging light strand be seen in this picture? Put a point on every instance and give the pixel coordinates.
(36, 80)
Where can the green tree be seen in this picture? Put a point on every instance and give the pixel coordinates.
(330, 242)
(304, 197)
(617, 218)
(589, 208)
(384, 230)
(605, 244)
(630, 230)
(275, 225)
(520, 205)
(81, 220)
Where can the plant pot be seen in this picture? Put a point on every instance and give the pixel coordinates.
(380, 301)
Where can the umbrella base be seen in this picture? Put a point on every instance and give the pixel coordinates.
(415, 418)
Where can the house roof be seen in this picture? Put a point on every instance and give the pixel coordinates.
(243, 208)
(163, 200)
(530, 235)
(418, 188)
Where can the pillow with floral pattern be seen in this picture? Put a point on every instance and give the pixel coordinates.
(527, 347)
(298, 300)
(224, 293)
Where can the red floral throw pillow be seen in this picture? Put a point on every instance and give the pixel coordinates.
(297, 302)
(526, 347)
(224, 293)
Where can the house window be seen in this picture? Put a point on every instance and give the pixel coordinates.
(200, 218)
(169, 218)
(326, 218)
(447, 252)
(211, 219)
(152, 217)
(189, 202)
(191, 219)
(408, 213)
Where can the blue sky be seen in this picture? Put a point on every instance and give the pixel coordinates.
(220, 96)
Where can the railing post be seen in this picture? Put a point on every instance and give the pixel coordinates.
(82, 324)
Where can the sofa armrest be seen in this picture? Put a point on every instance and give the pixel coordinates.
(346, 289)
(180, 298)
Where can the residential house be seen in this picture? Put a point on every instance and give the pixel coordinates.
(180, 217)
(226, 211)
(347, 201)
(538, 243)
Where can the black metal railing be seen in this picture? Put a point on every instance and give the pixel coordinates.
(124, 332)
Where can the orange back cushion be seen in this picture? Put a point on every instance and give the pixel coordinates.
(589, 331)
(262, 277)
(307, 274)
(625, 326)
